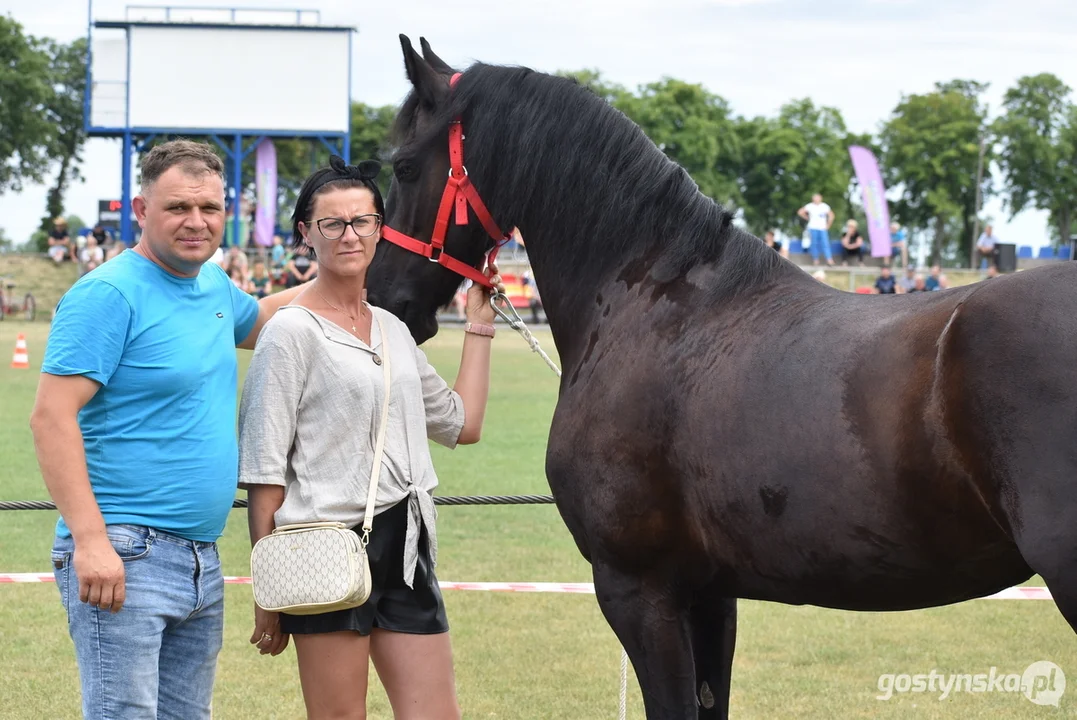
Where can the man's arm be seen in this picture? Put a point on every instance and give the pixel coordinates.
(62, 458)
(803, 213)
(266, 307)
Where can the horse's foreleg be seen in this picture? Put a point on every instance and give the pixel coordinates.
(714, 635)
(1046, 536)
(656, 633)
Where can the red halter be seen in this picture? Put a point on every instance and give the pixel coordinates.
(459, 192)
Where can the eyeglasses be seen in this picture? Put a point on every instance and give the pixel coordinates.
(363, 225)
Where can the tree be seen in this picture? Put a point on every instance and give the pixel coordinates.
(24, 92)
(785, 160)
(1037, 136)
(371, 127)
(931, 147)
(63, 110)
(593, 81)
(694, 128)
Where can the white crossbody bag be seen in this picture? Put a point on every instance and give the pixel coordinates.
(314, 568)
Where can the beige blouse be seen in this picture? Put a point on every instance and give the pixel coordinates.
(308, 420)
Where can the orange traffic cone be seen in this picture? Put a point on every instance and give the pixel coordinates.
(21, 361)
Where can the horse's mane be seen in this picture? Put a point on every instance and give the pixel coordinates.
(527, 131)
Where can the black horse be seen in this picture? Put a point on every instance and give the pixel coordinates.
(728, 427)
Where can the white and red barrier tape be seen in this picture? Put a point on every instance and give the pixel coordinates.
(1014, 593)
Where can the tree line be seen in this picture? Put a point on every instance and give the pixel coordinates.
(941, 152)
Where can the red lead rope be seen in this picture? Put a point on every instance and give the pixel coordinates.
(459, 192)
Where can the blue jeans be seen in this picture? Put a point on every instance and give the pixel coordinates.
(820, 240)
(157, 656)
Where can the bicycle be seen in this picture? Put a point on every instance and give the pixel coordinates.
(8, 306)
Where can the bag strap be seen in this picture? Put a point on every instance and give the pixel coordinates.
(379, 447)
(308, 526)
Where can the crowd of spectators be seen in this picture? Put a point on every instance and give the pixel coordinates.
(257, 271)
(87, 250)
(261, 271)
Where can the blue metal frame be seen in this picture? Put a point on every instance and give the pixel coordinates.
(135, 139)
(348, 138)
(89, 64)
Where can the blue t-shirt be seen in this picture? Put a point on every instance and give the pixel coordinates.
(276, 255)
(885, 286)
(160, 433)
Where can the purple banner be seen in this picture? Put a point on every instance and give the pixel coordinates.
(265, 183)
(874, 199)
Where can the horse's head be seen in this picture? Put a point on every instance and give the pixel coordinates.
(409, 284)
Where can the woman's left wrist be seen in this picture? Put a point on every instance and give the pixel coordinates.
(481, 329)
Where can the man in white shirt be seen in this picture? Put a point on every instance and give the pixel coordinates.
(986, 252)
(819, 217)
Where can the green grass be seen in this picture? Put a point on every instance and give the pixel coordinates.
(42, 277)
(526, 655)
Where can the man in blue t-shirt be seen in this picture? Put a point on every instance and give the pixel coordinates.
(134, 427)
(885, 284)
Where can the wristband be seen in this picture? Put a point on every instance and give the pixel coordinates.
(476, 329)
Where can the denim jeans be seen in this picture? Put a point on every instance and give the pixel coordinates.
(820, 240)
(157, 656)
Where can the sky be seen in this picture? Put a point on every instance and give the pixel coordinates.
(860, 56)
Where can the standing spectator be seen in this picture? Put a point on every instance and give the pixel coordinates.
(852, 244)
(278, 256)
(460, 299)
(899, 244)
(301, 267)
(986, 248)
(885, 284)
(60, 246)
(531, 294)
(820, 217)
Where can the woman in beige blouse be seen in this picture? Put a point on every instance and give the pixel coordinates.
(308, 421)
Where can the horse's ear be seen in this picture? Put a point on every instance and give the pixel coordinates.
(435, 62)
(430, 86)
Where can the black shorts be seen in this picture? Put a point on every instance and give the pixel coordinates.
(392, 604)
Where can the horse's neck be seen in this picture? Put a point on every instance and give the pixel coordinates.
(589, 220)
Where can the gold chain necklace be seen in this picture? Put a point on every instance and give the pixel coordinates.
(343, 312)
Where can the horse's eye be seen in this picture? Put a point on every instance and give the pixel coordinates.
(404, 170)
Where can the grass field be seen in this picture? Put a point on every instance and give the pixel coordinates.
(527, 655)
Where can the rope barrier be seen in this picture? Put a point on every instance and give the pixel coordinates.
(438, 500)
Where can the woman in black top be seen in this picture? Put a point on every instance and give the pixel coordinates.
(852, 244)
(300, 268)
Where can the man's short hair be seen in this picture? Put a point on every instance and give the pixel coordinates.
(193, 157)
